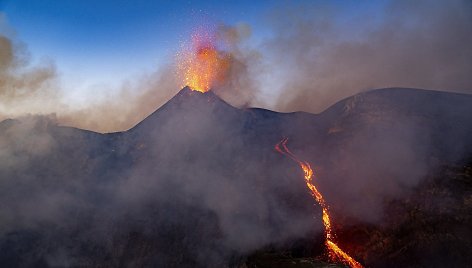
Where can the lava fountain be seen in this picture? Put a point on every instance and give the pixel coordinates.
(201, 65)
(335, 253)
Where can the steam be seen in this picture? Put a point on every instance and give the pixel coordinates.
(24, 87)
(122, 109)
(143, 185)
(28, 88)
(240, 87)
(316, 54)
(321, 54)
(185, 181)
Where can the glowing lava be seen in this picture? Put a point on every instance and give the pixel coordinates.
(202, 66)
(335, 253)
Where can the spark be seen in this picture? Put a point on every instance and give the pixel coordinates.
(202, 66)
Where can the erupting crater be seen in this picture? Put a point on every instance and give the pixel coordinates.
(201, 65)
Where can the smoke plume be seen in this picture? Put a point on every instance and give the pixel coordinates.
(322, 53)
(123, 108)
(315, 55)
(30, 88)
(24, 87)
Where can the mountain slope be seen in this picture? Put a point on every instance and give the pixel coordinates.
(198, 183)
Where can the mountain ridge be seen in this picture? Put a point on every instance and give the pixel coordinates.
(199, 178)
(186, 93)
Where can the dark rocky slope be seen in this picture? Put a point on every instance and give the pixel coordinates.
(198, 184)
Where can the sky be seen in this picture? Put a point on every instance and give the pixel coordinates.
(94, 42)
(105, 65)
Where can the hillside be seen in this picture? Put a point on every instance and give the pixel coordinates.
(199, 184)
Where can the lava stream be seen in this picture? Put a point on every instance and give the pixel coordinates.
(335, 253)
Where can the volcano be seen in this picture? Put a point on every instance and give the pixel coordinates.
(198, 184)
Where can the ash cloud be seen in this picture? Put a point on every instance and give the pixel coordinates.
(183, 183)
(240, 87)
(124, 108)
(315, 55)
(199, 183)
(154, 194)
(35, 88)
(380, 145)
(24, 86)
(321, 54)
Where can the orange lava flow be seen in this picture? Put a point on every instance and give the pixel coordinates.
(335, 253)
(202, 65)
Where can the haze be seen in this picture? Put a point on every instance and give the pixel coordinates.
(105, 66)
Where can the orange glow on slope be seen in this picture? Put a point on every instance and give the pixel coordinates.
(335, 253)
(202, 65)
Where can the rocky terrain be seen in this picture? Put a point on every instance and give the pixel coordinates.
(199, 184)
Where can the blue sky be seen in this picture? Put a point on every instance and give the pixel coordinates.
(100, 41)
(302, 54)
(103, 42)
